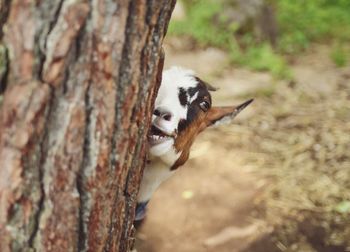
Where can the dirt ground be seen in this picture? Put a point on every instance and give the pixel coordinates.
(213, 202)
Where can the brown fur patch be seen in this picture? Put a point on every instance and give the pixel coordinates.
(216, 113)
(181, 160)
(185, 139)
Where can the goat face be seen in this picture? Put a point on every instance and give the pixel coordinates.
(183, 108)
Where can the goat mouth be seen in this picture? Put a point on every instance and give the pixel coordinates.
(158, 136)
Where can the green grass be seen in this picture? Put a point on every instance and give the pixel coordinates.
(340, 54)
(300, 22)
(205, 24)
(199, 24)
(303, 21)
(263, 58)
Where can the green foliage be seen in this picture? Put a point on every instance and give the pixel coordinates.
(199, 24)
(209, 27)
(263, 58)
(339, 55)
(300, 23)
(305, 21)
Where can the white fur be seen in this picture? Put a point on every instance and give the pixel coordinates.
(163, 148)
(194, 97)
(156, 172)
(153, 176)
(226, 120)
(164, 155)
(168, 98)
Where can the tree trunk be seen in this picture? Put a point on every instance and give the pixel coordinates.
(76, 96)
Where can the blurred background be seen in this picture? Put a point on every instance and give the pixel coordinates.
(279, 178)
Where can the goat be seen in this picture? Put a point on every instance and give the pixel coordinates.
(183, 109)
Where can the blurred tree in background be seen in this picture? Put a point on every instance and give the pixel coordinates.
(261, 33)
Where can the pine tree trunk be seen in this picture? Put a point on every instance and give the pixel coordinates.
(77, 88)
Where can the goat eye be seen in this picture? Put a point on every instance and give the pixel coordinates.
(204, 105)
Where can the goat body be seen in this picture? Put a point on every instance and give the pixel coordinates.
(183, 109)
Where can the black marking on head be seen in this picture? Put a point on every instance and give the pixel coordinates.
(193, 90)
(182, 125)
(202, 88)
(194, 109)
(206, 84)
(192, 114)
(183, 97)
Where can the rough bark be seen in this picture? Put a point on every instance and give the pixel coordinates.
(77, 97)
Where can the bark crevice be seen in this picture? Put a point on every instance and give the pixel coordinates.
(124, 72)
(44, 32)
(4, 13)
(4, 68)
(43, 145)
(4, 57)
(83, 194)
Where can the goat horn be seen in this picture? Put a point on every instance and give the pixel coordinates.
(209, 87)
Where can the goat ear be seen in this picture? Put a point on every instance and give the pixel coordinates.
(209, 87)
(224, 115)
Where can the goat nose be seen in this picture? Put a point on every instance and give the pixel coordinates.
(163, 113)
